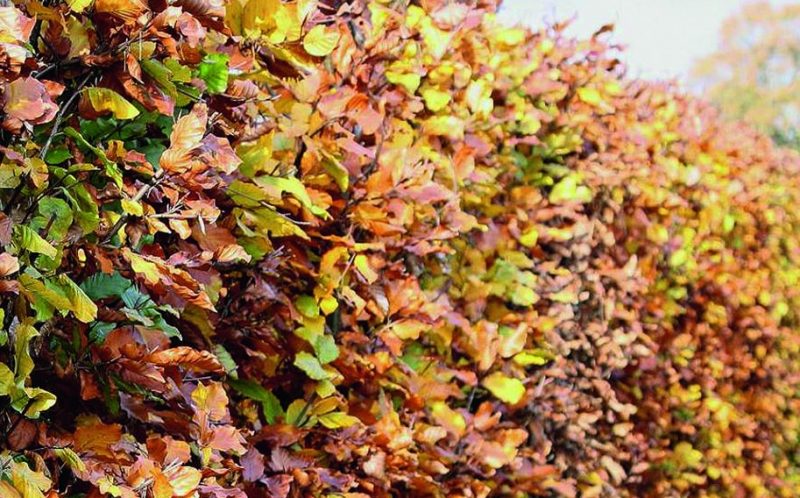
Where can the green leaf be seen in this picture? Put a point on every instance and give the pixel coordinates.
(107, 100)
(226, 360)
(44, 291)
(111, 168)
(270, 404)
(180, 73)
(84, 210)
(246, 194)
(325, 348)
(307, 306)
(275, 186)
(35, 401)
(99, 330)
(506, 389)
(214, 71)
(296, 413)
(310, 365)
(269, 221)
(105, 285)
(57, 210)
(162, 76)
(325, 388)
(57, 156)
(31, 241)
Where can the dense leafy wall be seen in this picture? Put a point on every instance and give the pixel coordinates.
(330, 248)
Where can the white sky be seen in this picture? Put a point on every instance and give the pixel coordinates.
(663, 37)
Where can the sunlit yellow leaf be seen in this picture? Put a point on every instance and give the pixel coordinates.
(590, 96)
(320, 41)
(409, 81)
(362, 265)
(338, 420)
(107, 100)
(506, 389)
(435, 100)
(79, 5)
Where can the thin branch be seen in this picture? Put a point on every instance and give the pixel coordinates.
(143, 191)
(61, 113)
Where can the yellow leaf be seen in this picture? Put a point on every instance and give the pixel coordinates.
(363, 267)
(409, 81)
(106, 485)
(569, 190)
(39, 400)
(328, 305)
(512, 340)
(131, 207)
(71, 459)
(687, 456)
(409, 329)
(590, 95)
(78, 5)
(286, 25)
(448, 418)
(529, 238)
(107, 100)
(435, 100)
(6, 379)
(142, 267)
(28, 482)
(435, 39)
(257, 15)
(84, 309)
(320, 41)
(338, 420)
(506, 389)
(448, 126)
(534, 357)
(78, 37)
(511, 36)
(273, 222)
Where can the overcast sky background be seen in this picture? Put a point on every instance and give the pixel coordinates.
(663, 37)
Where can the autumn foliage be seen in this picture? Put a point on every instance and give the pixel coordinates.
(330, 248)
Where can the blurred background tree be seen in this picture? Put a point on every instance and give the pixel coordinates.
(753, 75)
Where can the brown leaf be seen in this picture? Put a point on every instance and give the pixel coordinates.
(186, 357)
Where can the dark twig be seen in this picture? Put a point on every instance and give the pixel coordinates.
(61, 113)
(143, 191)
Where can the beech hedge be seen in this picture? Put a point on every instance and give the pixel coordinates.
(351, 248)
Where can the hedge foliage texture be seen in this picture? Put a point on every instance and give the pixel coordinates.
(350, 248)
